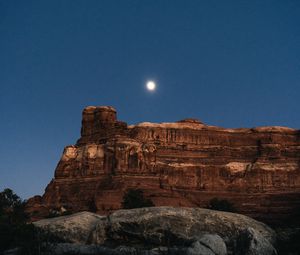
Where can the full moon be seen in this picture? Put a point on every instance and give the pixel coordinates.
(151, 86)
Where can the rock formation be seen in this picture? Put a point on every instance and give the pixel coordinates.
(160, 230)
(186, 163)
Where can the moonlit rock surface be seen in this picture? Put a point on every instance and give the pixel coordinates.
(193, 230)
(74, 228)
(185, 163)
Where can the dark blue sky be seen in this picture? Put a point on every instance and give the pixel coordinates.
(228, 63)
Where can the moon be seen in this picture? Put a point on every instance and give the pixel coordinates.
(151, 86)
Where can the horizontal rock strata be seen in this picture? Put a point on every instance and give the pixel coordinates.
(186, 163)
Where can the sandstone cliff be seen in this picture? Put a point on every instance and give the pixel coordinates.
(186, 163)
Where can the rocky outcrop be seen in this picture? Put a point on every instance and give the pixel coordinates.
(74, 228)
(186, 163)
(159, 230)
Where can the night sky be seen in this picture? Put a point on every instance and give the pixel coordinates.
(227, 63)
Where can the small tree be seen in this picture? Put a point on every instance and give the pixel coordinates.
(134, 198)
(12, 219)
(15, 232)
(221, 205)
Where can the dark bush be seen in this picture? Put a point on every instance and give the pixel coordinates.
(134, 198)
(15, 231)
(92, 206)
(288, 240)
(221, 205)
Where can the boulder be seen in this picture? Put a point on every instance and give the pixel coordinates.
(162, 230)
(75, 228)
(251, 242)
(208, 244)
(213, 242)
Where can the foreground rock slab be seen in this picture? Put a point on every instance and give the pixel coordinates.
(161, 230)
(74, 228)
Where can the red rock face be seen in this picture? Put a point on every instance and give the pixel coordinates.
(186, 163)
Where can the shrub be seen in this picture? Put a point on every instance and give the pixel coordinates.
(221, 205)
(92, 206)
(15, 232)
(134, 198)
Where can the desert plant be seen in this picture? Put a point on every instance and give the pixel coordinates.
(12, 218)
(221, 205)
(134, 198)
(15, 231)
(92, 206)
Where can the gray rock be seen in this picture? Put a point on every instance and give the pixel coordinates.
(199, 249)
(164, 230)
(169, 226)
(75, 228)
(70, 248)
(252, 242)
(215, 243)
